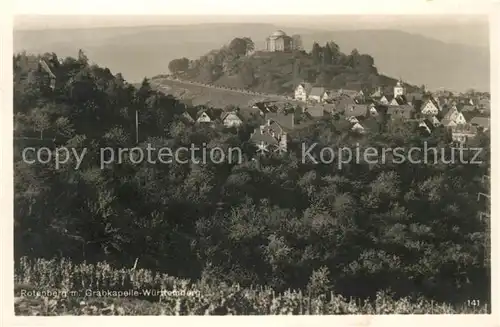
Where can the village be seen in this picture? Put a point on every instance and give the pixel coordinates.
(464, 115)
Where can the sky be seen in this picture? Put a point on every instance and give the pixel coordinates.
(464, 29)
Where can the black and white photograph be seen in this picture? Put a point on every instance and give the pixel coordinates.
(251, 165)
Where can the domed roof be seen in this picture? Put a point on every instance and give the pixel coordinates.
(278, 33)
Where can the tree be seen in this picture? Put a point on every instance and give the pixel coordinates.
(335, 49)
(82, 58)
(250, 46)
(353, 58)
(316, 53)
(327, 55)
(41, 121)
(239, 46)
(178, 65)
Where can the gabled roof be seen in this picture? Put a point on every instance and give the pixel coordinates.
(400, 100)
(466, 129)
(356, 110)
(425, 126)
(350, 93)
(317, 91)
(377, 93)
(357, 127)
(343, 103)
(419, 104)
(286, 121)
(207, 112)
(404, 111)
(410, 97)
(317, 110)
(434, 120)
(484, 102)
(306, 86)
(446, 122)
(187, 116)
(467, 107)
(329, 107)
(266, 138)
(224, 115)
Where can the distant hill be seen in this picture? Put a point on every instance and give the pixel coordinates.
(146, 51)
(195, 95)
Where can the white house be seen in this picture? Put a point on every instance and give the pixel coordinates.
(327, 95)
(231, 119)
(429, 108)
(358, 128)
(203, 117)
(373, 111)
(399, 89)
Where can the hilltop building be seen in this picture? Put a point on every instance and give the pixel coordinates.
(399, 89)
(279, 41)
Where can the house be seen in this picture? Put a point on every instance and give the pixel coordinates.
(442, 101)
(399, 89)
(231, 119)
(187, 118)
(264, 107)
(263, 139)
(45, 67)
(482, 123)
(357, 127)
(400, 112)
(302, 91)
(316, 94)
(463, 133)
(413, 97)
(351, 93)
(352, 119)
(398, 101)
(484, 104)
(377, 94)
(327, 96)
(384, 100)
(274, 132)
(343, 103)
(434, 121)
(372, 110)
(429, 107)
(356, 110)
(204, 116)
(453, 117)
(316, 110)
(286, 121)
(467, 108)
(329, 108)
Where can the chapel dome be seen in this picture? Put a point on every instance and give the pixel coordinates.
(278, 33)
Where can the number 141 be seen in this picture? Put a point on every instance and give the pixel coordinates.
(473, 303)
